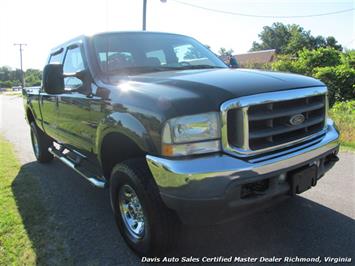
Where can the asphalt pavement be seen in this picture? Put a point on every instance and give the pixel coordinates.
(320, 222)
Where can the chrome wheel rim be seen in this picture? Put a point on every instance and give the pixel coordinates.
(35, 143)
(131, 211)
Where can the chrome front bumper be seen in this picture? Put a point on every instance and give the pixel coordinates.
(213, 176)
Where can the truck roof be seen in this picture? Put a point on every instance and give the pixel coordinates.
(83, 37)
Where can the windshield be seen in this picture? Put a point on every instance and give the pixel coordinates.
(141, 52)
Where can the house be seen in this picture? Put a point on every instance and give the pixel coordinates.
(256, 59)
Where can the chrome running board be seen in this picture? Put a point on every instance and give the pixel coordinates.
(97, 182)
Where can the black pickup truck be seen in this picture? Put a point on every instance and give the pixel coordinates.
(176, 135)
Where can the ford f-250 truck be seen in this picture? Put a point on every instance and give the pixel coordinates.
(176, 135)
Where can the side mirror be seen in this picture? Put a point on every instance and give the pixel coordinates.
(233, 63)
(76, 80)
(53, 79)
(82, 75)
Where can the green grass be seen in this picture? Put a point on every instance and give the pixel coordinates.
(343, 114)
(27, 234)
(15, 244)
(11, 93)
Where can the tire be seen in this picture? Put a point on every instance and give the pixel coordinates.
(40, 144)
(161, 225)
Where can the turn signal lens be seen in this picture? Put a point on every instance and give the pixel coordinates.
(191, 148)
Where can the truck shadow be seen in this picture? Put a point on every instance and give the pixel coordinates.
(81, 221)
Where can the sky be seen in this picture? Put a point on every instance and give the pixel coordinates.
(43, 24)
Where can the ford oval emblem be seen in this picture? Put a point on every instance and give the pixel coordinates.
(297, 119)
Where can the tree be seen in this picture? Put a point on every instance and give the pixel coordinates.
(274, 37)
(5, 73)
(33, 77)
(224, 52)
(332, 42)
(348, 58)
(291, 38)
(10, 78)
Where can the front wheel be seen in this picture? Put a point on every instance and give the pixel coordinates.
(146, 224)
(40, 144)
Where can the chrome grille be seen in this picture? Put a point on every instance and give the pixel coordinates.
(264, 122)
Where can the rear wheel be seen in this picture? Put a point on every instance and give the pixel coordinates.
(146, 224)
(40, 144)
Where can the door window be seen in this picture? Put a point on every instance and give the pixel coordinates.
(73, 63)
(56, 58)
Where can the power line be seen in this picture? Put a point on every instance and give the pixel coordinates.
(261, 16)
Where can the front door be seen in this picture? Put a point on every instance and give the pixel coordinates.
(49, 102)
(49, 109)
(74, 104)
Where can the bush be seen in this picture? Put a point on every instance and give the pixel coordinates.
(340, 81)
(348, 58)
(6, 84)
(343, 114)
(308, 60)
(332, 67)
(287, 63)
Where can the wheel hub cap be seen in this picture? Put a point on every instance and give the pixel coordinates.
(131, 211)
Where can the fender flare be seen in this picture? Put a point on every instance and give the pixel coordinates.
(124, 124)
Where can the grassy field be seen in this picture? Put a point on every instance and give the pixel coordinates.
(343, 113)
(27, 234)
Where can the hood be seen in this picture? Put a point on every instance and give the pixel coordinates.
(205, 90)
(237, 82)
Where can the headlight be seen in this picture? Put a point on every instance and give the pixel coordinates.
(191, 134)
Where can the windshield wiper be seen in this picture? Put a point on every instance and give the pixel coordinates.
(148, 69)
(141, 69)
(197, 67)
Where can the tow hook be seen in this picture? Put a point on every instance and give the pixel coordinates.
(334, 158)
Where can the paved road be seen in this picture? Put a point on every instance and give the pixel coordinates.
(318, 223)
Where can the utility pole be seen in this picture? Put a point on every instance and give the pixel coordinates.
(144, 14)
(144, 27)
(22, 74)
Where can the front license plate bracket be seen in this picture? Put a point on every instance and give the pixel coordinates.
(303, 179)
